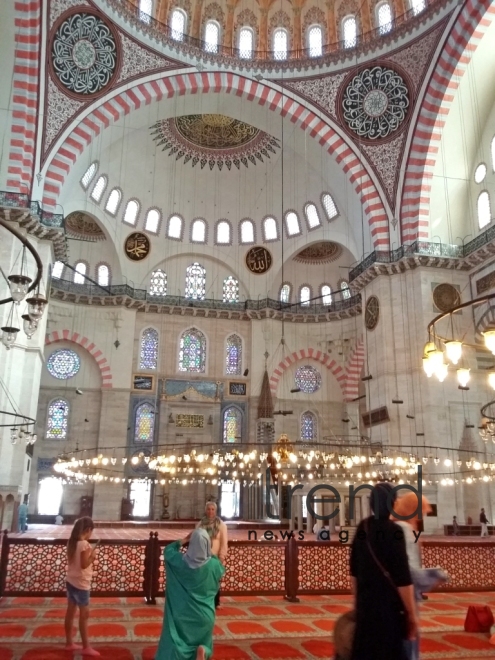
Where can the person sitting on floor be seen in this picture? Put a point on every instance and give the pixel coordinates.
(192, 581)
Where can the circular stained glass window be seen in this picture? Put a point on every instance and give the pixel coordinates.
(63, 364)
(308, 379)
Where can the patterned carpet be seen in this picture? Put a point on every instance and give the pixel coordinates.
(247, 628)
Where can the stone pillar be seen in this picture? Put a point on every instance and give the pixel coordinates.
(399, 8)
(298, 39)
(365, 17)
(162, 11)
(229, 26)
(196, 25)
(332, 37)
(263, 45)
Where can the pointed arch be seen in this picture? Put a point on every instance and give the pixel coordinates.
(305, 354)
(101, 361)
(192, 351)
(232, 425)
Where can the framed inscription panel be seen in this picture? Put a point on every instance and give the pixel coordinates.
(190, 421)
(143, 383)
(137, 246)
(238, 389)
(258, 260)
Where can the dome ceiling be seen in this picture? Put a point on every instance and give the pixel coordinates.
(213, 139)
(319, 253)
(81, 225)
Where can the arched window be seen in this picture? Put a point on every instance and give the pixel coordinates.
(326, 294)
(285, 291)
(246, 43)
(152, 223)
(57, 270)
(144, 423)
(329, 206)
(58, 418)
(192, 351)
(195, 282)
(484, 211)
(131, 212)
(113, 201)
(312, 217)
(103, 275)
(417, 6)
(178, 24)
(280, 44)
(309, 426)
(480, 173)
(198, 231)
(223, 233)
(493, 154)
(232, 423)
(270, 229)
(384, 17)
(174, 229)
(233, 357)
(145, 10)
(148, 353)
(305, 295)
(212, 36)
(158, 283)
(247, 231)
(349, 32)
(345, 291)
(89, 175)
(81, 269)
(230, 290)
(315, 41)
(292, 223)
(99, 189)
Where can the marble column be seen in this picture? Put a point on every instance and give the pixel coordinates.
(196, 25)
(263, 45)
(162, 11)
(229, 26)
(297, 34)
(332, 37)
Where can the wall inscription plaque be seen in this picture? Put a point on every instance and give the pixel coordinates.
(190, 421)
(258, 260)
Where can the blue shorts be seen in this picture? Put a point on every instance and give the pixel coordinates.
(77, 596)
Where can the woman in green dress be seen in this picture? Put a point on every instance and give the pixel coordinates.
(192, 581)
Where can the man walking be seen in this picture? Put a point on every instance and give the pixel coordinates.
(22, 516)
(484, 523)
(455, 526)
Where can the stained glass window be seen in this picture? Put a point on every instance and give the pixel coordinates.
(99, 188)
(212, 37)
(247, 231)
(58, 416)
(312, 216)
(280, 45)
(178, 24)
(63, 364)
(145, 423)
(305, 295)
(192, 351)
(223, 233)
(329, 206)
(198, 231)
(152, 221)
(88, 175)
(80, 272)
(315, 41)
(292, 223)
(326, 294)
(349, 32)
(148, 358)
(285, 293)
(270, 229)
(131, 212)
(57, 270)
(158, 283)
(230, 290)
(233, 357)
(232, 423)
(246, 40)
(308, 379)
(175, 227)
(113, 201)
(309, 426)
(384, 18)
(346, 292)
(484, 211)
(195, 282)
(103, 275)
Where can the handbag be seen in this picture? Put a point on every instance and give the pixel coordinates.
(479, 618)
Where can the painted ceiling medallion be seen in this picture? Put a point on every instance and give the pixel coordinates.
(372, 313)
(84, 54)
(319, 253)
(80, 225)
(213, 140)
(375, 103)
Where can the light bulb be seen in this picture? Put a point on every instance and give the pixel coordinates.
(454, 350)
(447, 462)
(427, 367)
(441, 371)
(463, 377)
(489, 335)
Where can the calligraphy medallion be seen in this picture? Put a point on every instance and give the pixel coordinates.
(258, 260)
(137, 246)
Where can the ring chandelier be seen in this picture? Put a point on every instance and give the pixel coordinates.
(248, 464)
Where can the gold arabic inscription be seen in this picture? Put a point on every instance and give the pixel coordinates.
(258, 260)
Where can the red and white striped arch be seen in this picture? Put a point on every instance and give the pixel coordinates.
(171, 85)
(25, 89)
(353, 372)
(465, 35)
(102, 362)
(307, 354)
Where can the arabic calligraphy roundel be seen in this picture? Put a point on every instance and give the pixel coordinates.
(137, 246)
(258, 260)
(374, 103)
(84, 54)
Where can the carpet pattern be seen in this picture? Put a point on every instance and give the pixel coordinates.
(247, 628)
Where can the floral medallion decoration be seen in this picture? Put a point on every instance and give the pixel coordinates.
(84, 54)
(375, 102)
(446, 296)
(80, 225)
(372, 313)
(319, 253)
(213, 140)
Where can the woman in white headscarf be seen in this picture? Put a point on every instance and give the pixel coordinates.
(192, 581)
